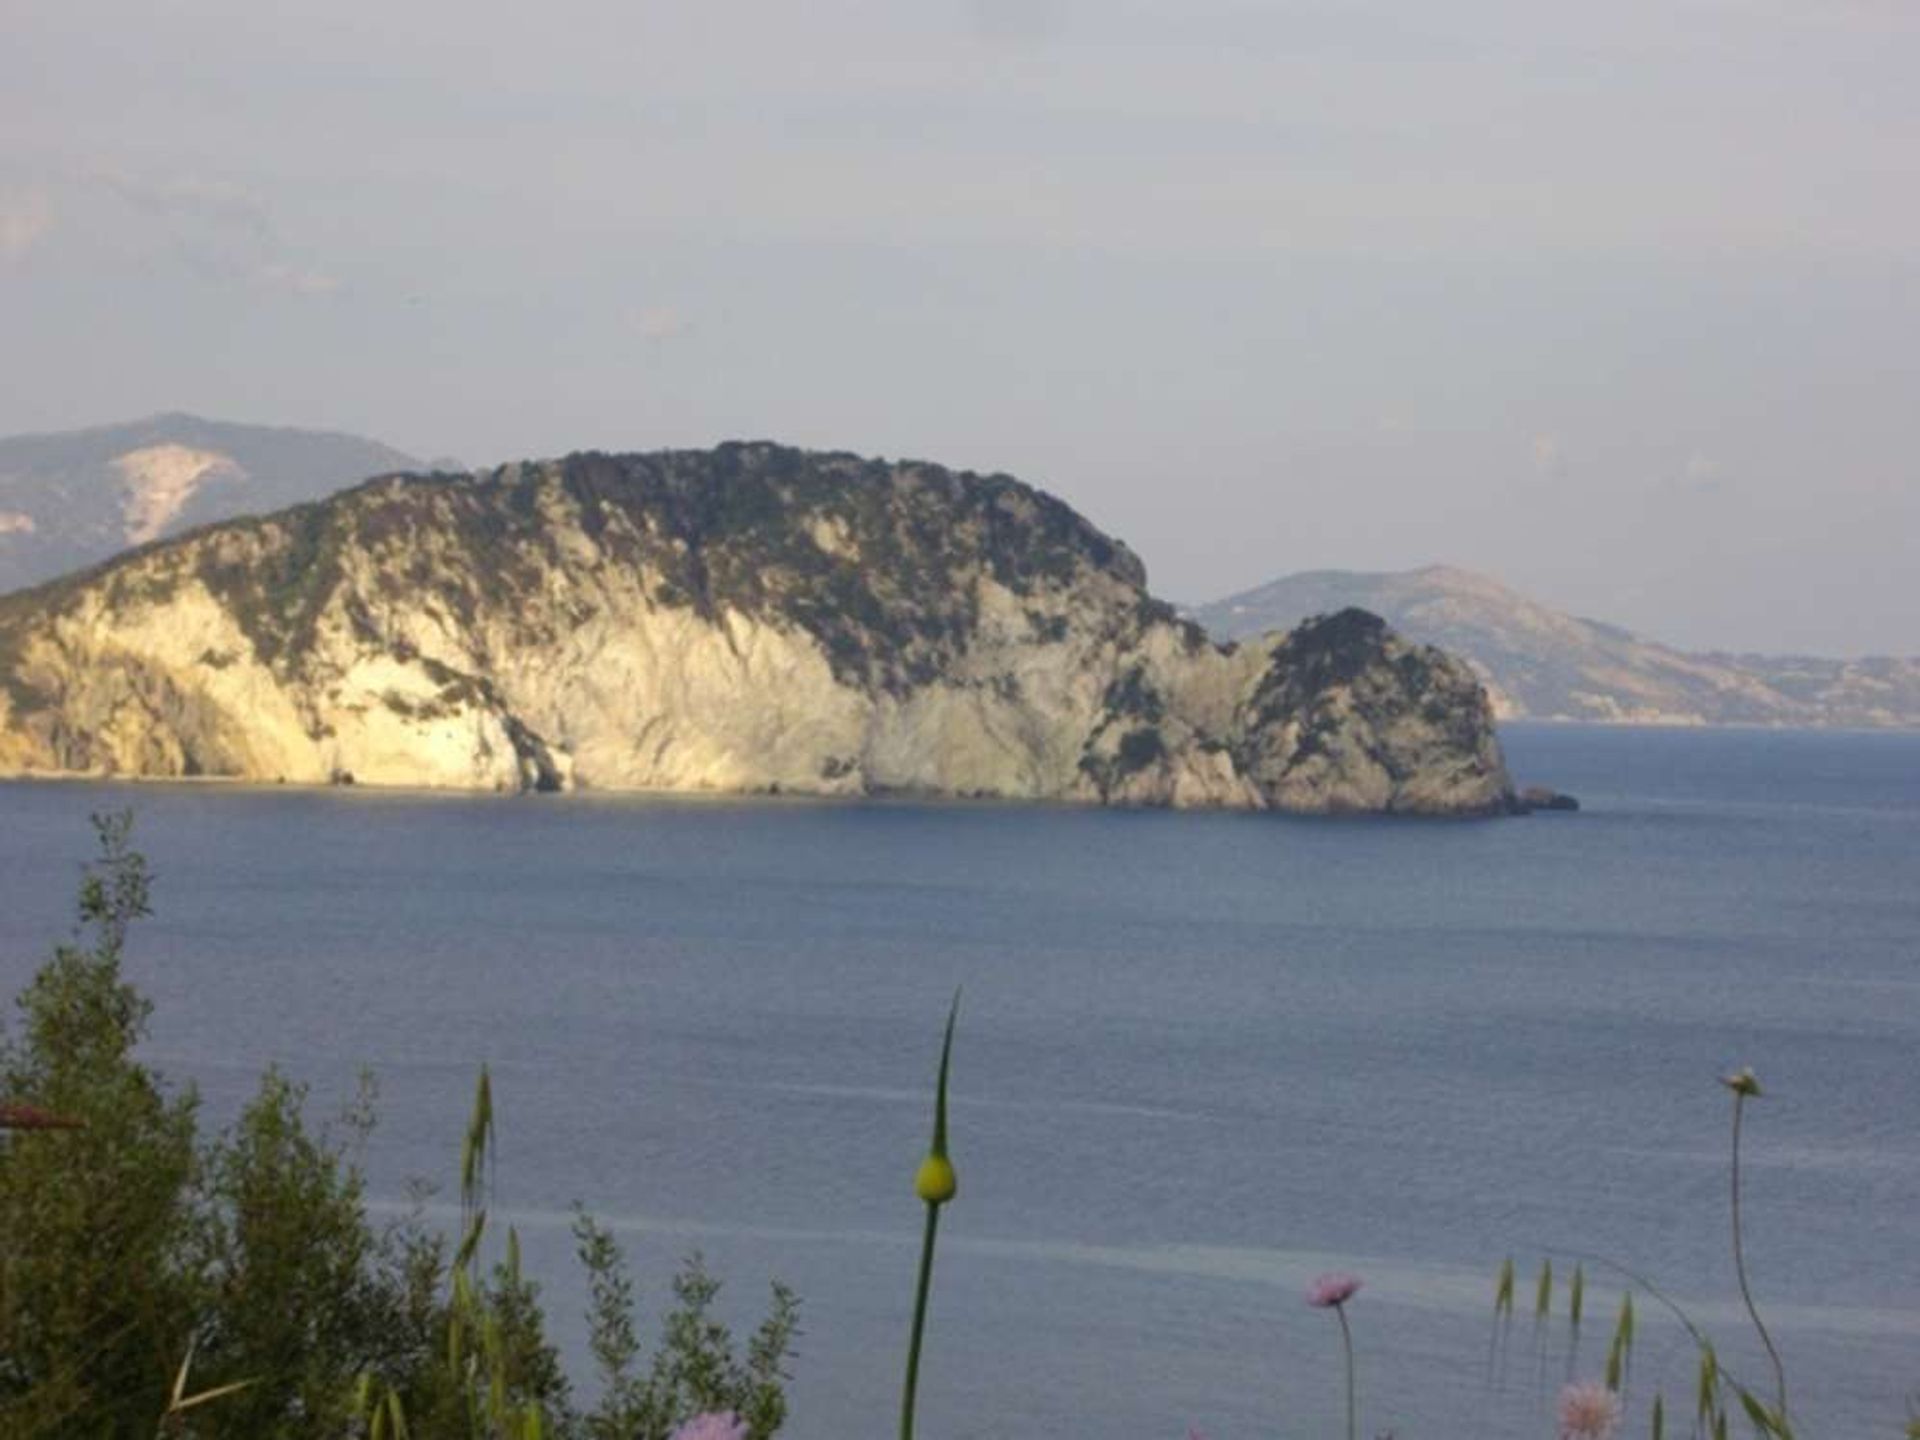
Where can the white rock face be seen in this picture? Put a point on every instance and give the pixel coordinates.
(745, 619)
(78, 498)
(159, 481)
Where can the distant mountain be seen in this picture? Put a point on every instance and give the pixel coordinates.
(1539, 663)
(75, 498)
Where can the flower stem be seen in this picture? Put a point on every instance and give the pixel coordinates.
(1740, 1265)
(919, 1323)
(1346, 1339)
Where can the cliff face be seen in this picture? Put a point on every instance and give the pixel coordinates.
(743, 619)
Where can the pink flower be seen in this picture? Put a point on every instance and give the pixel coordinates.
(714, 1425)
(1332, 1290)
(1588, 1411)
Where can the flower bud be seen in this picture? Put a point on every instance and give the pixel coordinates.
(1742, 1082)
(935, 1182)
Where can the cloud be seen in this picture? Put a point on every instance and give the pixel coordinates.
(662, 323)
(222, 228)
(296, 280)
(25, 217)
(1549, 457)
(1701, 474)
(1016, 24)
(221, 204)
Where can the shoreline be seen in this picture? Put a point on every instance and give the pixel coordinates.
(925, 799)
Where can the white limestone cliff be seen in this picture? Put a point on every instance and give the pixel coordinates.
(746, 619)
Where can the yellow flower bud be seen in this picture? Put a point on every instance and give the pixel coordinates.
(935, 1182)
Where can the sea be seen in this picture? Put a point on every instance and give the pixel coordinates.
(1200, 1059)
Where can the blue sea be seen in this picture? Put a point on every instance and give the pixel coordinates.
(1201, 1058)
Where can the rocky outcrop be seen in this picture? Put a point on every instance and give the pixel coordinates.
(1542, 797)
(1540, 664)
(750, 618)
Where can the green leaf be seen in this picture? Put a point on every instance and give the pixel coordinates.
(205, 1396)
(1503, 1291)
(1709, 1383)
(1766, 1421)
(1621, 1353)
(940, 1094)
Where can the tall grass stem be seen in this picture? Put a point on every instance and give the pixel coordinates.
(919, 1323)
(1346, 1340)
(1740, 1262)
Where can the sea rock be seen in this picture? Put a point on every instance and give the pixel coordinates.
(1539, 797)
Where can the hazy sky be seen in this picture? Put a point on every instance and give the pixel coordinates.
(1619, 302)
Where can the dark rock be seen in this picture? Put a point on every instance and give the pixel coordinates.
(1540, 797)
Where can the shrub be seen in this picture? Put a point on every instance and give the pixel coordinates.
(235, 1286)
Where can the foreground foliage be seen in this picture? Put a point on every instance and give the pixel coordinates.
(155, 1279)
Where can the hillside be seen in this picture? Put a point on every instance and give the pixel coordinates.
(1539, 663)
(750, 618)
(73, 499)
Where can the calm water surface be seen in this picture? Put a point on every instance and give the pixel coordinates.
(1202, 1058)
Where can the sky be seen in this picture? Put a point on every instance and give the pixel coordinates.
(1619, 303)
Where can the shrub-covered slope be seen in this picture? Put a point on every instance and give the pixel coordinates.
(746, 618)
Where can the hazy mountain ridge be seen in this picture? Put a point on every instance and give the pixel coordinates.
(74, 498)
(1540, 663)
(747, 618)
